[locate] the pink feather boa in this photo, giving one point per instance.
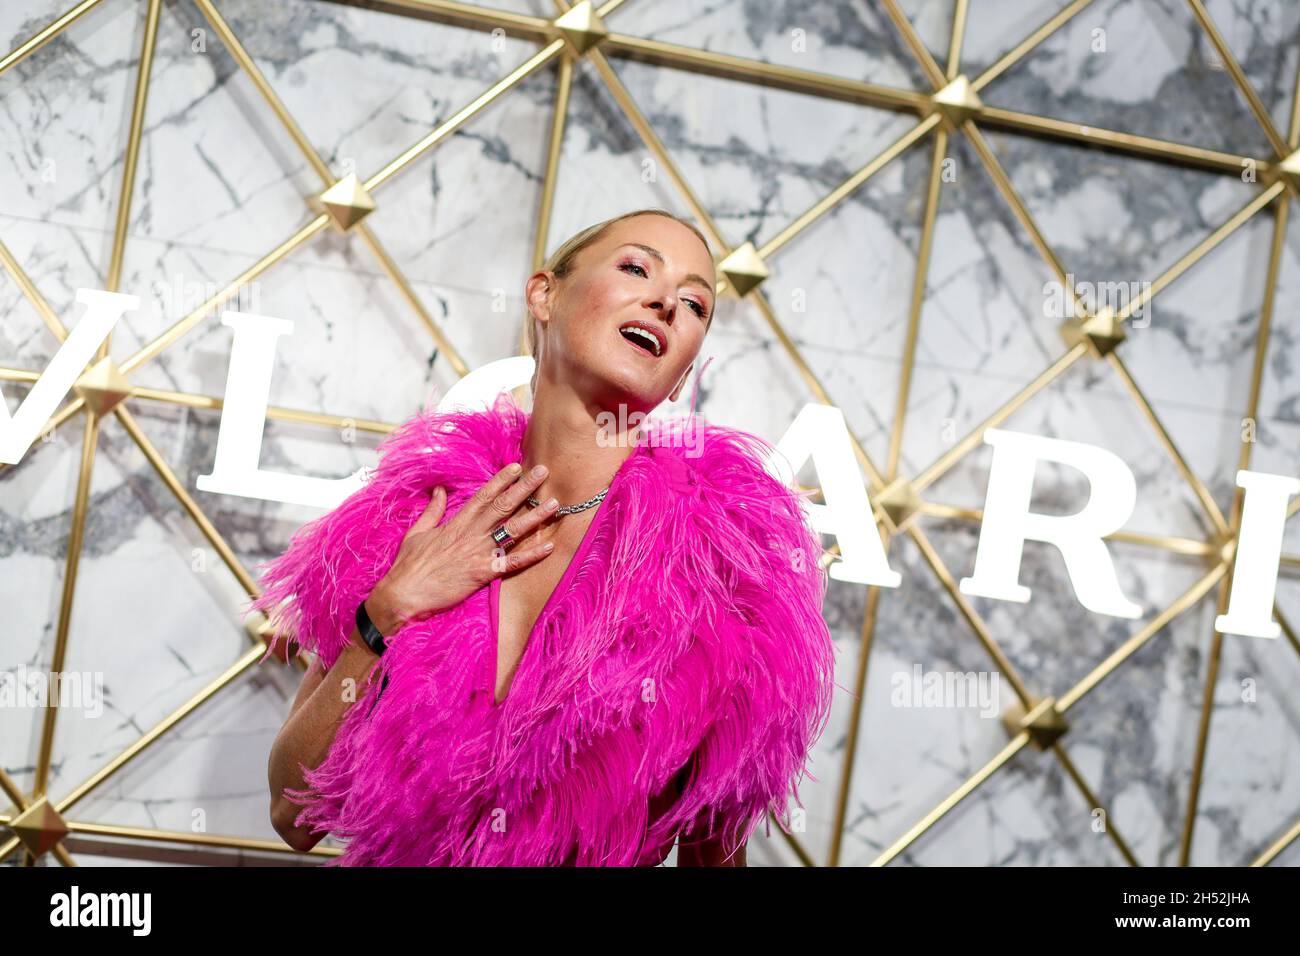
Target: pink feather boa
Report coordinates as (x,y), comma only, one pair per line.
(691,626)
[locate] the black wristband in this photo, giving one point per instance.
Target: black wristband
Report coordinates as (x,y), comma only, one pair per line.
(369,633)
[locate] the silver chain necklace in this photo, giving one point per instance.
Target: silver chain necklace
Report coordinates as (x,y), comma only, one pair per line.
(591,502)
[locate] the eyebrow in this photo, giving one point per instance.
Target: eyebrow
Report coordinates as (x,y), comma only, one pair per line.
(694,277)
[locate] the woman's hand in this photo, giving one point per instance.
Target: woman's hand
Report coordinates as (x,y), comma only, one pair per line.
(438,567)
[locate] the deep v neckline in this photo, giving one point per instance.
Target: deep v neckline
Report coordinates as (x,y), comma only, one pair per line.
(557,594)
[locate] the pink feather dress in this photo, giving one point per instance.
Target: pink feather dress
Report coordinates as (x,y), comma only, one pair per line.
(687,629)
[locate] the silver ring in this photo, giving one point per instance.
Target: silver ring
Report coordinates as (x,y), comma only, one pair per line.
(502,536)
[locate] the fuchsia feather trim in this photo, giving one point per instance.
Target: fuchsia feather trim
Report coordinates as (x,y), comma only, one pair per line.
(691,627)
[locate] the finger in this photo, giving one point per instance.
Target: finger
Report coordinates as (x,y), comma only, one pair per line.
(498,483)
(507,502)
(516,560)
(527,518)
(433,511)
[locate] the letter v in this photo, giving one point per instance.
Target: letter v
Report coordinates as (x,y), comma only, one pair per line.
(103,309)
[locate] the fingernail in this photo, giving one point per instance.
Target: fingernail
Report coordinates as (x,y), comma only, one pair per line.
(552,502)
(515,468)
(539,471)
(549,546)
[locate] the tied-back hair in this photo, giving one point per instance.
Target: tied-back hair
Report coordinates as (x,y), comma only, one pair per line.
(562,260)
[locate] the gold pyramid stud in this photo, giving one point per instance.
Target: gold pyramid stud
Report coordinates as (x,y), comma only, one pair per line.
(581,26)
(1289,171)
(347,202)
(1044,722)
(900,504)
(744,269)
(1103,332)
(102,386)
(39,828)
(957,102)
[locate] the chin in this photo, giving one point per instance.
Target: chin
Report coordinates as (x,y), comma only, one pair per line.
(622,384)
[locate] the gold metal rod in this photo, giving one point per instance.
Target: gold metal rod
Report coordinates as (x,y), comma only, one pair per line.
(132,155)
(277,412)
(317,163)
(850,185)
(1126,650)
(1000,759)
(914,42)
(72,562)
(1144,147)
(465,15)
(968,612)
(19,375)
(1264,332)
(554,148)
(1093,803)
(919,276)
(174,334)
(854,725)
(814,383)
(1284,841)
(248,659)
(955,39)
(770,75)
(187,502)
(486,98)
(33,295)
(1016,53)
(976,435)
(656,146)
(1186,600)
(45,35)
(1187,546)
(1203,726)
(1239,77)
(1189,259)
(444,345)
(1003,184)
(1208,504)
(792,843)
(197,839)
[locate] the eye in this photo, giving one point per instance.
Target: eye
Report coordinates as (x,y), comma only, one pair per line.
(626,266)
(697,308)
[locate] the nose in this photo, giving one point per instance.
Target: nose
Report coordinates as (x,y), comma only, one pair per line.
(665,304)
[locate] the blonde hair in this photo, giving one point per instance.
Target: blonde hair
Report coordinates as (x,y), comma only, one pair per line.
(562,260)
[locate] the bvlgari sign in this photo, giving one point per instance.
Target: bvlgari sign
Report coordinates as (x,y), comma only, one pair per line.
(818,433)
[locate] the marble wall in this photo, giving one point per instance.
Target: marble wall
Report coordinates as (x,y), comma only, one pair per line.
(220,184)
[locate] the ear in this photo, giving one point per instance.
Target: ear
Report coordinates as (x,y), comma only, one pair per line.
(537,292)
(678,390)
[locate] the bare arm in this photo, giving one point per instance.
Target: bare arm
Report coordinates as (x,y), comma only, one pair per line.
(438,565)
(322,701)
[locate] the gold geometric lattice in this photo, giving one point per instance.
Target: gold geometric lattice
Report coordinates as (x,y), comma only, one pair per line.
(951,105)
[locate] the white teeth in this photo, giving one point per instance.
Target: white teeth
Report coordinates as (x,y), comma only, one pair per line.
(654,342)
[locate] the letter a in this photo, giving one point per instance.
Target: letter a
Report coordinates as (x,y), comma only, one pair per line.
(819,431)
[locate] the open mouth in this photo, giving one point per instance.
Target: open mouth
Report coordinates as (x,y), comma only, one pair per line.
(645,338)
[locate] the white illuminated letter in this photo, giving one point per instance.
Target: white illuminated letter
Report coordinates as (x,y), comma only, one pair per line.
(1259,550)
(103,309)
(1008,523)
(819,431)
(481,386)
(243,421)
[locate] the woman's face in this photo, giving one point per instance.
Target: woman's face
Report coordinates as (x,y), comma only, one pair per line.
(648,272)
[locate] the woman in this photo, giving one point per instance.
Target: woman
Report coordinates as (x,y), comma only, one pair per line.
(597,635)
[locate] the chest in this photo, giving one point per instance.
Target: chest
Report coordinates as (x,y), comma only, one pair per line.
(524,595)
